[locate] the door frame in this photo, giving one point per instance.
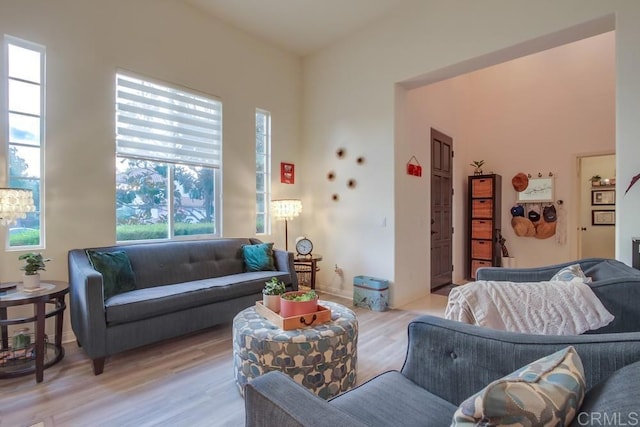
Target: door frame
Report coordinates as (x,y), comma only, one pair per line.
(577,210)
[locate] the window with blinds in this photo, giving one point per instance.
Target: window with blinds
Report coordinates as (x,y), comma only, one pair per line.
(168,161)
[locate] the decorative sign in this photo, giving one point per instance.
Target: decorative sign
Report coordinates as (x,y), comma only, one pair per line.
(413,167)
(287,173)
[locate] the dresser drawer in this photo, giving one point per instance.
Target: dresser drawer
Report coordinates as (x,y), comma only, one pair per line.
(482,187)
(482,208)
(476,264)
(482,249)
(481,229)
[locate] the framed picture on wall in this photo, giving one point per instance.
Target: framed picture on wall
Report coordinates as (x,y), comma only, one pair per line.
(287,173)
(538,190)
(603,197)
(603,217)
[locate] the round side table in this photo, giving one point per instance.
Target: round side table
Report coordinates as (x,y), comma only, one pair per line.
(51,292)
(321,358)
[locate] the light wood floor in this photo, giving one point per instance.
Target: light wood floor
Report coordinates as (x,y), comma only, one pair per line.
(182,382)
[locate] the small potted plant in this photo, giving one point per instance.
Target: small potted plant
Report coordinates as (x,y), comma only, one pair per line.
(271,294)
(33,262)
(477,164)
(595,180)
(296,303)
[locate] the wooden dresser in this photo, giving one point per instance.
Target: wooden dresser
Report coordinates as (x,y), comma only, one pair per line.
(485,222)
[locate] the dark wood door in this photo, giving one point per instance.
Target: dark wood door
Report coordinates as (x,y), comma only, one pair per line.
(441,209)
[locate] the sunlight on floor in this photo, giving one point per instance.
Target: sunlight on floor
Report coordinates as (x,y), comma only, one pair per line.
(431,304)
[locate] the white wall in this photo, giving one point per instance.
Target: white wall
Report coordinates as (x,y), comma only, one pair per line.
(86,42)
(349,98)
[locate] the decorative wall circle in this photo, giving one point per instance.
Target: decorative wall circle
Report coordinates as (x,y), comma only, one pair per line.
(351,183)
(335,197)
(360,160)
(331,176)
(341,152)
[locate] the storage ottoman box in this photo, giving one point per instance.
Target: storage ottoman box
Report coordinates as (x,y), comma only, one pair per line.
(371,293)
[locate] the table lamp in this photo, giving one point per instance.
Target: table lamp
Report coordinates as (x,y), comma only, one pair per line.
(15,203)
(286,209)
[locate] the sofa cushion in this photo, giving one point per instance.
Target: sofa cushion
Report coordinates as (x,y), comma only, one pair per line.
(392,399)
(543,392)
(149,302)
(613,401)
(258,257)
(115,267)
(570,273)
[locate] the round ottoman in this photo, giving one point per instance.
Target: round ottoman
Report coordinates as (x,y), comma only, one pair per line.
(321,358)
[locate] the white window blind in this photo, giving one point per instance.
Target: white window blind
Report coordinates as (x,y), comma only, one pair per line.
(166,124)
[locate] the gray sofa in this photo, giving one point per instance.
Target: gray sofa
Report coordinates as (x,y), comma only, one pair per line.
(447,362)
(181,287)
(616,285)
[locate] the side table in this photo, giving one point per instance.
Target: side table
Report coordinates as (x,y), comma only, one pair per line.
(306,267)
(52,292)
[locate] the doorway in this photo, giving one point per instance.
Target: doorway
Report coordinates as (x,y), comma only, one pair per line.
(597,207)
(441,209)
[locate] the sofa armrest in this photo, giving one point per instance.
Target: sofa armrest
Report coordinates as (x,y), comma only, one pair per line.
(284,262)
(534,274)
(87,309)
(274,399)
(455,360)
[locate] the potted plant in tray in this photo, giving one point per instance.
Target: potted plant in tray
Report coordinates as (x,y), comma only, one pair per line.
(271,294)
(296,303)
(33,263)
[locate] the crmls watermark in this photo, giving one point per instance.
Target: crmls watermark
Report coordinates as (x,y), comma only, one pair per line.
(608,419)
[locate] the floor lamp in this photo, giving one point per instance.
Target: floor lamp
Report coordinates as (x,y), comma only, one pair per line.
(286,209)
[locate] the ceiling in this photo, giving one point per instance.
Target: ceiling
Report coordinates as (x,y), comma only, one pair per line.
(298,26)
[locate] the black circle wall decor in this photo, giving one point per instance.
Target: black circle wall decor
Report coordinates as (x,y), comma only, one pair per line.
(331,176)
(341,152)
(360,160)
(335,197)
(351,183)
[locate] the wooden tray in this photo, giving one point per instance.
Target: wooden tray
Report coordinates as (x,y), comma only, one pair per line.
(294,322)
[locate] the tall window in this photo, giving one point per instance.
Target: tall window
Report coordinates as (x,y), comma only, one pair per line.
(25,87)
(263,170)
(169,155)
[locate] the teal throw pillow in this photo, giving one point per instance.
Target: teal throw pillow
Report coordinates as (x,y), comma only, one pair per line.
(570,273)
(547,392)
(115,267)
(258,257)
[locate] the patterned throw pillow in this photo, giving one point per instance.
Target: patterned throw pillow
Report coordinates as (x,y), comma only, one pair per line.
(547,392)
(570,273)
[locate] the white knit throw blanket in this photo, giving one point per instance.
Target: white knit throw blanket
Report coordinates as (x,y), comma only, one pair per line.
(549,308)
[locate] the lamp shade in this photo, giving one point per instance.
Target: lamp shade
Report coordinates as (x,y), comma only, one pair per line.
(286,209)
(15,203)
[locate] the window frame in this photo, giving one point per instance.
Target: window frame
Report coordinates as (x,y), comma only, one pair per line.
(267,173)
(41,50)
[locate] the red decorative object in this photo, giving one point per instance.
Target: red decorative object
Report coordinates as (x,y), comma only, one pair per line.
(287,173)
(633,181)
(289,308)
(413,167)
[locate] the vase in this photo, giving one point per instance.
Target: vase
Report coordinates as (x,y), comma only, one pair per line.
(272,302)
(31,281)
(290,308)
(477,171)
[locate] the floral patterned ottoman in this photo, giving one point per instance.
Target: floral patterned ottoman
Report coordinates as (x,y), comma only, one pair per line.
(322,358)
